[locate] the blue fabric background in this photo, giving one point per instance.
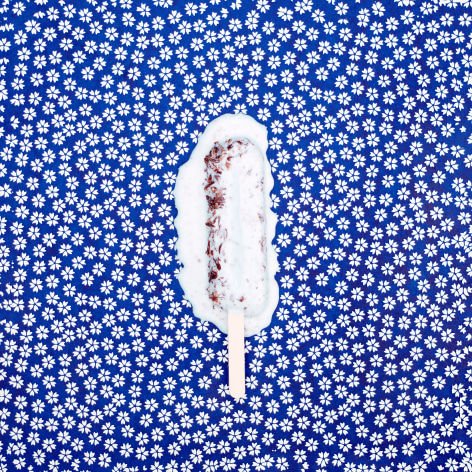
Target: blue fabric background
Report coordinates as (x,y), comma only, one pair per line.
(367,363)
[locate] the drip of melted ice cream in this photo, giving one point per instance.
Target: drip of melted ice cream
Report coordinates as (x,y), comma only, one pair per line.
(225,226)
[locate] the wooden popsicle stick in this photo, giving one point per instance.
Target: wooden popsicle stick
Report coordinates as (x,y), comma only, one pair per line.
(236,369)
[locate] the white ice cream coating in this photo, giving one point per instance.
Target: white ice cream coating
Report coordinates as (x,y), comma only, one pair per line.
(237,245)
(238,223)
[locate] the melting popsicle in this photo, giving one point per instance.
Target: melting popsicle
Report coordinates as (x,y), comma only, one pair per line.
(225,229)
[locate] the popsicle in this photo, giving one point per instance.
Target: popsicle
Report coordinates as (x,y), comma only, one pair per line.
(225,228)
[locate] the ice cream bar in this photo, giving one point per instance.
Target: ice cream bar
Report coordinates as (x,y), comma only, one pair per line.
(225,226)
(237,246)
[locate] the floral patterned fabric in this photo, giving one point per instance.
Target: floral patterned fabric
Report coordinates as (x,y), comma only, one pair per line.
(367,364)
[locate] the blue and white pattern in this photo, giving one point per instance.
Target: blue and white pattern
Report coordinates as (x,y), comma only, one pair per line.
(367,365)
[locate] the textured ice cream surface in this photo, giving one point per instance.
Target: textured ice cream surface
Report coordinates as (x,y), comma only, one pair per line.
(225,226)
(236,249)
